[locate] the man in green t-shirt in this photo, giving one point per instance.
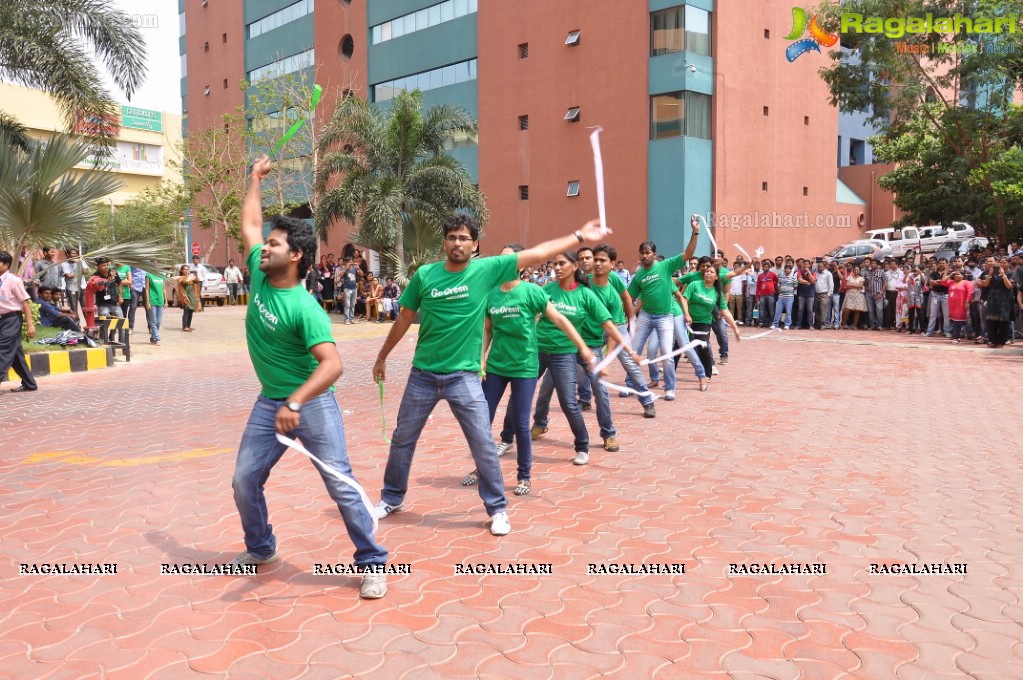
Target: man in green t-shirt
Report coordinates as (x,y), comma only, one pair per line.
(451,298)
(153,294)
(292,350)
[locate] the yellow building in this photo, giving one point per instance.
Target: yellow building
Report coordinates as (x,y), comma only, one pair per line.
(144,142)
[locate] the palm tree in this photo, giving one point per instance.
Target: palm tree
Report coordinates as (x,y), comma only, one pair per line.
(393,165)
(52,45)
(45,201)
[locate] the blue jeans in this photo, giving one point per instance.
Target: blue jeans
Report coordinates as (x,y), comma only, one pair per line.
(322,432)
(585,390)
(784,307)
(464,394)
(350,295)
(633,371)
(563,370)
(875,310)
(682,338)
(607,428)
(939,302)
(834,316)
(664,326)
(720,327)
(804,313)
(516,419)
(766,310)
(154,315)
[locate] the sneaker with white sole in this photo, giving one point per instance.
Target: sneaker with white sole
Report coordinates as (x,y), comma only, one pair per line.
(503,448)
(246,558)
(499,525)
(581,458)
(669,395)
(374,585)
(383,509)
(714,370)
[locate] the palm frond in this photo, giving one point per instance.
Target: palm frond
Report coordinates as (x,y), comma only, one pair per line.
(152,256)
(16,134)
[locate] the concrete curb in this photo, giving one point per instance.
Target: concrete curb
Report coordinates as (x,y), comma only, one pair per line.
(67,361)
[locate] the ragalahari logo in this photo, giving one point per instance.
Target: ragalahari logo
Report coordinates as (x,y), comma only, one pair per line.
(818,36)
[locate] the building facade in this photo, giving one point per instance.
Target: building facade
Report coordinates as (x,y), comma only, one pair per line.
(701,110)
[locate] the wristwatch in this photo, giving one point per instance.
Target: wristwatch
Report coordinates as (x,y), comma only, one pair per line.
(579,235)
(294,406)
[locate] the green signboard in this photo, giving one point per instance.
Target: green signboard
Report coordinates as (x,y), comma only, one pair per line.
(141,119)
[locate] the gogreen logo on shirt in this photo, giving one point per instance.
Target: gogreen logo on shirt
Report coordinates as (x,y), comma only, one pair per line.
(451,293)
(650,277)
(505,311)
(269,319)
(818,36)
(564,307)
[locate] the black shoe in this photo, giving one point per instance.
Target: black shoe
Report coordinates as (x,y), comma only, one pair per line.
(585,406)
(24,388)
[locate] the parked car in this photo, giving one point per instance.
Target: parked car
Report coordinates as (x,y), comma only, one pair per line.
(951,249)
(884,250)
(214,285)
(962,231)
(855,252)
(901,240)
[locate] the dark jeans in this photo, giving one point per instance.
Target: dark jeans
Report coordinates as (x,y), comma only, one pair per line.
(11,354)
(957,329)
(563,370)
(232,290)
(804,305)
(767,303)
(516,420)
(133,305)
(890,298)
(703,351)
(186,317)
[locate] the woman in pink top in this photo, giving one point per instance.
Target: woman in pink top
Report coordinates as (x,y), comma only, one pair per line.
(960,292)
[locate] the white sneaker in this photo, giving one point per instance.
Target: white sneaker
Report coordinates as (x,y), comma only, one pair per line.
(500,526)
(581,458)
(374,585)
(714,370)
(247,558)
(669,395)
(383,509)
(503,448)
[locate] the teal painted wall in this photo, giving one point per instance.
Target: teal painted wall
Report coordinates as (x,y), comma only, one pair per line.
(656,5)
(668,73)
(289,39)
(440,45)
(679,173)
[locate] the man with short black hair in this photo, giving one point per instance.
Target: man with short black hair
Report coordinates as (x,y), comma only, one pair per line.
(350,287)
(14,306)
(47,268)
(50,314)
(292,351)
(233,277)
(106,283)
(451,297)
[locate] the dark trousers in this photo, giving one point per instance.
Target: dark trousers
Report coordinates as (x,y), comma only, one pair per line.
(890,298)
(66,324)
(186,317)
(11,354)
(703,351)
(516,419)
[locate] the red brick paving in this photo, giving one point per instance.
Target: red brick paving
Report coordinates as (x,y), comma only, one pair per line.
(835,447)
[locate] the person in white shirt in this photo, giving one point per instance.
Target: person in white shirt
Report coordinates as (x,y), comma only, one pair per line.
(234,278)
(893,277)
(823,287)
(736,293)
(750,292)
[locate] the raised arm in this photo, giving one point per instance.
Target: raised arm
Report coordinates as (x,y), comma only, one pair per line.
(252,209)
(694,222)
(589,232)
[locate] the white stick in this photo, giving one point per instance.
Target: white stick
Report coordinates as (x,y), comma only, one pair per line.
(623,388)
(685,348)
(344,478)
(713,243)
(758,335)
(740,249)
(608,359)
(598,167)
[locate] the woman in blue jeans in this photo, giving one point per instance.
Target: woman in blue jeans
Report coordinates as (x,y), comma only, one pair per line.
(570,295)
(510,358)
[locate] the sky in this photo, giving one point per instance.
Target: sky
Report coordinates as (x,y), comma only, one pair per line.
(158,22)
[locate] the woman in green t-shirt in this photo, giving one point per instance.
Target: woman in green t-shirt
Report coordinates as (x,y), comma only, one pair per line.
(698,302)
(510,358)
(571,295)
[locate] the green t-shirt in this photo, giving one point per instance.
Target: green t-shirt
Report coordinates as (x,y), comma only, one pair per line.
(654,284)
(125,273)
(686,279)
(281,325)
(701,301)
(451,307)
(156,298)
(580,307)
(611,296)
(513,329)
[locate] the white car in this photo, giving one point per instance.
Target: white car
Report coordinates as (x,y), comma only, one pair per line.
(884,249)
(214,285)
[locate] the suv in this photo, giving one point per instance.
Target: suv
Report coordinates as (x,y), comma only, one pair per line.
(214,285)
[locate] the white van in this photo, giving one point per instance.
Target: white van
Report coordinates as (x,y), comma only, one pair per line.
(900,240)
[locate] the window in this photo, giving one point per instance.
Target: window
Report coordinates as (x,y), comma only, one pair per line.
(675,114)
(573,38)
(763,186)
(766,111)
(806,191)
(279,18)
(223,37)
(347,47)
(523,192)
(428,80)
(767,33)
(206,91)
(573,188)
(225,83)
(206,47)
(421,19)
(184,65)
(523,122)
(806,120)
(572,115)
(680,28)
(523,50)
(276,69)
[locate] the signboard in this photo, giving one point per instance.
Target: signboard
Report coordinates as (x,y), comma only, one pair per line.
(196,249)
(95,126)
(145,159)
(141,119)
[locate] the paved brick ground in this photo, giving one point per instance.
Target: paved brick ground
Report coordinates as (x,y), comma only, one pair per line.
(834,447)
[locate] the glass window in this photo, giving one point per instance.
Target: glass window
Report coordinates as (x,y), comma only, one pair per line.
(397,28)
(697,26)
(666,114)
(697,113)
(434,15)
(447,10)
(377,34)
(184,66)
(472,69)
(461,8)
(667,31)
(573,188)
(436,79)
(461,72)
(385,31)
(450,75)
(410,23)
(181,24)
(421,20)
(472,6)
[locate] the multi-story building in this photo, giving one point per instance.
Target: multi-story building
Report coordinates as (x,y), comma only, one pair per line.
(144,140)
(701,110)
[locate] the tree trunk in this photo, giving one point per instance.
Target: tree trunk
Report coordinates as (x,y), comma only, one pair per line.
(399,242)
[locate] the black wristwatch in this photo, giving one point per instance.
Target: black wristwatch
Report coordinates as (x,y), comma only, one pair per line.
(293,406)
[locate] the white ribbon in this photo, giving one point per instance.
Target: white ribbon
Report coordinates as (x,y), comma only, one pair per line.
(684,348)
(759,252)
(740,249)
(344,478)
(713,243)
(598,168)
(759,335)
(623,388)
(608,359)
